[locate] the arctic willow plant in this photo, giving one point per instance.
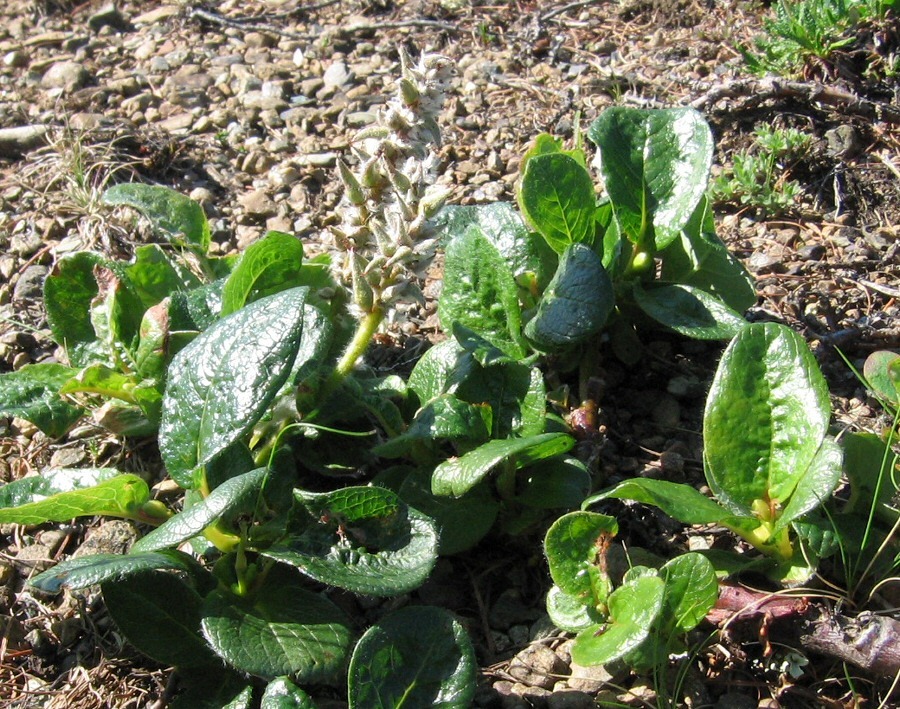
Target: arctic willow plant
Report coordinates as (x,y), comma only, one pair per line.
(388,200)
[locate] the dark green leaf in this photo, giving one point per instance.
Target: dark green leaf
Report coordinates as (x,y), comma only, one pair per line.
(281,693)
(867,463)
(155,277)
(85,571)
(440,370)
(213,688)
(766,417)
(576,304)
(160,615)
(480,293)
(32,393)
(268,266)
(283,629)
(570,613)
(457,476)
(655,165)
(575,546)
(169,211)
(221,384)
(119,496)
(236,493)
(558,482)
(415,657)
(557,196)
(689,311)
(677,500)
(515,394)
(68,294)
(815,486)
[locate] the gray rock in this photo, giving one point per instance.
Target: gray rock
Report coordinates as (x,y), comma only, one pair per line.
(15,142)
(570,699)
(537,666)
(30,284)
(589,679)
(109,16)
(258,204)
(66,75)
(336,76)
(112,537)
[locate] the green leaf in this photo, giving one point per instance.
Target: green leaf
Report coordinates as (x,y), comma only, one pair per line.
(515,394)
(677,500)
(692,589)
(68,293)
(457,476)
(633,610)
(213,688)
(445,417)
(171,212)
(36,488)
(557,197)
(221,384)
(440,370)
(689,311)
(281,693)
(103,381)
(155,277)
(416,657)
(32,393)
(868,464)
(570,613)
(268,266)
(576,304)
(363,539)
(699,258)
(160,615)
(236,493)
(815,486)
(527,254)
(766,417)
(882,374)
(554,483)
(480,293)
(655,166)
(84,571)
(283,629)
(120,496)
(153,351)
(575,546)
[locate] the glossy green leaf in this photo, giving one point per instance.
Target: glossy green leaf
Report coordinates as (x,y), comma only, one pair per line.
(445,417)
(692,589)
(479,292)
(169,211)
(35,488)
(283,629)
(268,266)
(153,351)
(154,276)
(527,254)
(699,258)
(515,394)
(557,197)
(416,657)
(558,482)
(655,166)
(213,688)
(160,615)
(103,381)
(576,304)
(83,571)
(766,417)
(440,370)
(68,293)
(457,476)
(281,693)
(235,493)
(119,496)
(868,464)
(575,546)
(222,383)
(481,349)
(677,500)
(882,374)
(633,609)
(689,311)
(814,488)
(570,613)
(32,393)
(363,539)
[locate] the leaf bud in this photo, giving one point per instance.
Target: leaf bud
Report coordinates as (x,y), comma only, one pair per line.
(354,190)
(362,291)
(409,92)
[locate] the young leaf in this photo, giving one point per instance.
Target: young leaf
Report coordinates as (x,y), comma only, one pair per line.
(881,371)
(691,591)
(281,693)
(655,165)
(457,476)
(282,629)
(160,615)
(766,417)
(575,546)
(155,277)
(83,571)
(515,394)
(689,311)
(440,370)
(868,464)
(445,417)
(167,209)
(363,539)
(68,293)
(570,613)
(416,657)
(576,304)
(120,496)
(32,393)
(557,197)
(559,482)
(633,609)
(233,494)
(221,384)
(815,486)
(268,266)
(35,488)
(480,293)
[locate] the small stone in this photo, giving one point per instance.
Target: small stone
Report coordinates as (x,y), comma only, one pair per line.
(589,679)
(16,141)
(537,666)
(761,262)
(179,123)
(67,75)
(667,412)
(570,699)
(671,463)
(25,245)
(258,204)
(68,457)
(811,252)
(112,537)
(164,12)
(202,195)
(16,59)
(684,387)
(109,16)
(260,40)
(335,76)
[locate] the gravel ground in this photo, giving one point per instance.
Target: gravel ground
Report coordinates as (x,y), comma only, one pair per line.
(247,106)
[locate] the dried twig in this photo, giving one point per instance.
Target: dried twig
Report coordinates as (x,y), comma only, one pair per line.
(565,8)
(245,24)
(396,25)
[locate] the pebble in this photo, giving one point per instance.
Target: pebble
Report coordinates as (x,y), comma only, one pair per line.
(18,140)
(537,666)
(30,284)
(66,75)
(258,204)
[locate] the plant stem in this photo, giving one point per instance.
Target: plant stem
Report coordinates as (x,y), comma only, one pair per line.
(365,331)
